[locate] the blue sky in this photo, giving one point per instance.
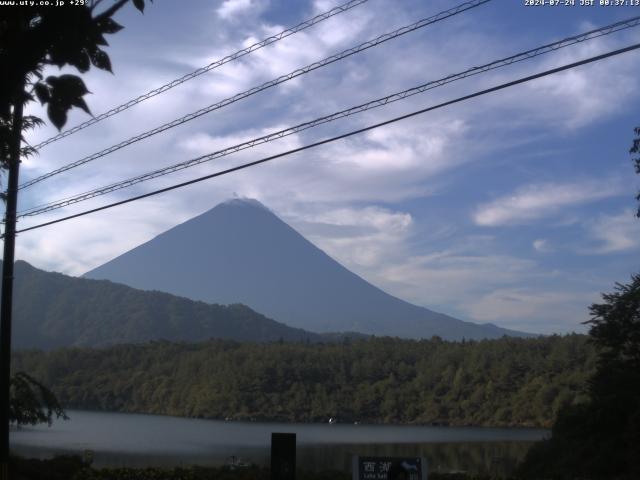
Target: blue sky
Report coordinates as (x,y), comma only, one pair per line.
(516,208)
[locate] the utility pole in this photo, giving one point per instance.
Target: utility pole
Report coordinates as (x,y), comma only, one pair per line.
(6,300)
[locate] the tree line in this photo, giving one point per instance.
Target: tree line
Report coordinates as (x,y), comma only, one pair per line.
(504,382)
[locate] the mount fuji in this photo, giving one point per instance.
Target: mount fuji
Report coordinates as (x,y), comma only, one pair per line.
(241,252)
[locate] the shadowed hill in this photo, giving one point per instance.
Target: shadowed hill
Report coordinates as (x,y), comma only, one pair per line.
(53,310)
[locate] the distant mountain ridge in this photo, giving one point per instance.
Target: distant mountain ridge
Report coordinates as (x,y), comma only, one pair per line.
(53,310)
(241,252)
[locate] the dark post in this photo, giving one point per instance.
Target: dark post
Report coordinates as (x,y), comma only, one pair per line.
(7,283)
(283,456)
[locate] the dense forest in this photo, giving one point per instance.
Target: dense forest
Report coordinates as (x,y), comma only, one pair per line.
(505,382)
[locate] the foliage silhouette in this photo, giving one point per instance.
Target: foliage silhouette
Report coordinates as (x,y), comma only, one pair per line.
(35,37)
(32,403)
(599,438)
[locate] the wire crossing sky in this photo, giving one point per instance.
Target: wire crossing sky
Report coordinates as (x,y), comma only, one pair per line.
(272,83)
(516,208)
(526,55)
(207,68)
(343,136)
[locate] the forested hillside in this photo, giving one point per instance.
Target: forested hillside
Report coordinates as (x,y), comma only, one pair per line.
(54,310)
(505,382)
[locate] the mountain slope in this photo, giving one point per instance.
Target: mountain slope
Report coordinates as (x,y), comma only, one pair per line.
(53,310)
(240,252)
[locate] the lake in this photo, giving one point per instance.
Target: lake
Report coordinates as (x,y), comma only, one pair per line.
(120,439)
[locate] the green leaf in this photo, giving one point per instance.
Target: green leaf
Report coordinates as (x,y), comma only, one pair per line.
(101,60)
(57,114)
(30,122)
(71,85)
(66,88)
(100,40)
(81,61)
(42,92)
(80,103)
(109,25)
(53,81)
(65,92)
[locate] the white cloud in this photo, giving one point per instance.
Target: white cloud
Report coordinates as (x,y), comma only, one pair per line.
(614,233)
(536,309)
(584,95)
(374,243)
(362,237)
(231,8)
(75,247)
(342,29)
(542,245)
(535,201)
(203,143)
(451,277)
(570,100)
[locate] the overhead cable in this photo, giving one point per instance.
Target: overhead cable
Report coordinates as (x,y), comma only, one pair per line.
(340,137)
(218,63)
(529,54)
(272,83)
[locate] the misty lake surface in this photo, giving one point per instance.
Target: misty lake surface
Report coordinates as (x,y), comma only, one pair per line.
(119,439)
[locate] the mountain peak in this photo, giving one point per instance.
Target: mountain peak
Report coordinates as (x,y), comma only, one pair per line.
(234,253)
(242,202)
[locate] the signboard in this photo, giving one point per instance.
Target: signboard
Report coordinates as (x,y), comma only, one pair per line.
(283,456)
(389,468)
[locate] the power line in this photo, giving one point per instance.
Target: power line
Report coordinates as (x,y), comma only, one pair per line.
(340,137)
(271,83)
(218,63)
(39,209)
